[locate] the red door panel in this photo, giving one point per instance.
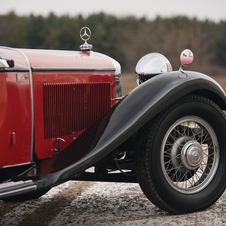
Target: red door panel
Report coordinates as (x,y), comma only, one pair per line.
(15,119)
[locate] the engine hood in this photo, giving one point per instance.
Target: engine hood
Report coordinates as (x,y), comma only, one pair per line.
(58,59)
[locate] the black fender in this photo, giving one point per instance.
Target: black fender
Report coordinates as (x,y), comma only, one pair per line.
(127,117)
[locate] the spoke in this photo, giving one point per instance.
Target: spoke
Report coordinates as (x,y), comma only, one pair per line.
(168,151)
(197,175)
(167,168)
(203,173)
(176,157)
(179,133)
(185,128)
(206,138)
(169,171)
(201,168)
(193,133)
(175,142)
(191,180)
(184,176)
(199,137)
(211,145)
(202,134)
(188,124)
(189,129)
(209,168)
(169,143)
(206,164)
(173,176)
(206,157)
(189,183)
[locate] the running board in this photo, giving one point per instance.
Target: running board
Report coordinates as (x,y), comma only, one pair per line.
(16,188)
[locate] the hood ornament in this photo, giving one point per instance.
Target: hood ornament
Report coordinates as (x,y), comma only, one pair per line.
(85,34)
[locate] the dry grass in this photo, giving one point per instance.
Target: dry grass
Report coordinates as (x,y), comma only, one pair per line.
(129,82)
(222,81)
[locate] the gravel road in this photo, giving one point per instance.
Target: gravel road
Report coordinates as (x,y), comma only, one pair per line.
(101,203)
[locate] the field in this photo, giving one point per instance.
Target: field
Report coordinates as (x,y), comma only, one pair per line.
(222,81)
(129,82)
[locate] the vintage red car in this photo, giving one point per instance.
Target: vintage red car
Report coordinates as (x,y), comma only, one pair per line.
(62,112)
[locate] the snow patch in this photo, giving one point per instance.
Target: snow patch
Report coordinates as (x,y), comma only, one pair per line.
(56,190)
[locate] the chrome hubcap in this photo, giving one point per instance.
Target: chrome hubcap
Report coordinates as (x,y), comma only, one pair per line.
(192,155)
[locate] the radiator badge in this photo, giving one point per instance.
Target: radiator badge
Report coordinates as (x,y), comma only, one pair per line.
(20,77)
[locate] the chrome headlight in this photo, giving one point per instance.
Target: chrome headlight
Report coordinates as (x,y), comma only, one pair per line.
(151,65)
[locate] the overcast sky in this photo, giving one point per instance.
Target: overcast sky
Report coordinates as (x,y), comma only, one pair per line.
(202,9)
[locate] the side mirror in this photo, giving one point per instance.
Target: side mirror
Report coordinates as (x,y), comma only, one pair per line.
(186,57)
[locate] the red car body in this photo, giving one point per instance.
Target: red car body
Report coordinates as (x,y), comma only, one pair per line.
(62,112)
(62,82)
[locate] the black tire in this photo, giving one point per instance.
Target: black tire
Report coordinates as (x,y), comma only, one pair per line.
(180,160)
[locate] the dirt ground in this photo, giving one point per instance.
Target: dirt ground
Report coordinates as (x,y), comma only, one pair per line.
(101,203)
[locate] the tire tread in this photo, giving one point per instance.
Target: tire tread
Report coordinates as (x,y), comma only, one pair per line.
(141,148)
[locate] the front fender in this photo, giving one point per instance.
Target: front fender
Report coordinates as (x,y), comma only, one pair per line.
(136,109)
(150,98)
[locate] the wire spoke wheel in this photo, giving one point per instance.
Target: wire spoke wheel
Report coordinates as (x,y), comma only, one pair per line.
(189,154)
(180,160)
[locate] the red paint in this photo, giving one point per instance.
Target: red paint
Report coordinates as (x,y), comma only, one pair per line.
(186,60)
(59,59)
(15,101)
(45,147)
(15,119)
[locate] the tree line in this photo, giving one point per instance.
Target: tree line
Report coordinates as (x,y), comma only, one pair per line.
(126,39)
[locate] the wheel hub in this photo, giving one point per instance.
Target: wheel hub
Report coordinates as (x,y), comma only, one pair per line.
(188,165)
(176,152)
(191,155)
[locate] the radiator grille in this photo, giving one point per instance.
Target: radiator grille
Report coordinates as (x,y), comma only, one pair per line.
(70,108)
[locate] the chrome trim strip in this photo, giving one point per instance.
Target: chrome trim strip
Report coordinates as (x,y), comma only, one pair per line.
(71,69)
(3,63)
(21,164)
(117,72)
(16,188)
(18,191)
(118,98)
(32,96)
